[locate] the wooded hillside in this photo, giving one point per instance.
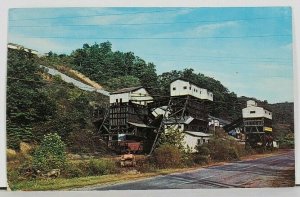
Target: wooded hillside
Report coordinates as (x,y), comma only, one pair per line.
(38,104)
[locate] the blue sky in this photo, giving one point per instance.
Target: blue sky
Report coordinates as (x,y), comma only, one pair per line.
(248,49)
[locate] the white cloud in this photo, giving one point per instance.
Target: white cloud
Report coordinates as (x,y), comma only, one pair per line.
(210,28)
(42,45)
(167,16)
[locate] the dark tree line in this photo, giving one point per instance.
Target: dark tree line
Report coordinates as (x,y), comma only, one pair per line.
(114,70)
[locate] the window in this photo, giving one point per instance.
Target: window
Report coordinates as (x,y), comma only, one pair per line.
(184,87)
(117,100)
(198,141)
(179,127)
(174,88)
(190,88)
(194,90)
(252,112)
(200,92)
(203,140)
(120,100)
(269,113)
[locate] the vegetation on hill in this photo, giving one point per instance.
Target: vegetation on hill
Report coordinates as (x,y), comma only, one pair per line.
(38,104)
(27,104)
(48,104)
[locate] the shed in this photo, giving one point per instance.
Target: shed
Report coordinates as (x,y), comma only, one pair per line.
(138,95)
(192,139)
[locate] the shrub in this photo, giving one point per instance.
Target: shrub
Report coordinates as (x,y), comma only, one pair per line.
(233,153)
(201,159)
(25,148)
(50,154)
(167,156)
(223,149)
(203,155)
(11,154)
(74,170)
(173,137)
(146,167)
(187,157)
(203,150)
(101,167)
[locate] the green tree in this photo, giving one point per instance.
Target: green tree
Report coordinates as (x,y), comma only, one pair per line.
(173,137)
(123,82)
(106,67)
(50,154)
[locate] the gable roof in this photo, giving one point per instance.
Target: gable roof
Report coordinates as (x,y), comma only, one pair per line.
(185,120)
(219,119)
(198,134)
(126,90)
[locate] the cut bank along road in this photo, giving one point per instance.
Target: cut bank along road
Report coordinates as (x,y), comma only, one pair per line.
(252,173)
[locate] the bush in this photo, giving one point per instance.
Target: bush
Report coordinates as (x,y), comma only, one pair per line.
(146,167)
(50,154)
(203,155)
(167,156)
(25,148)
(201,159)
(101,167)
(233,153)
(173,137)
(74,170)
(203,150)
(223,149)
(11,154)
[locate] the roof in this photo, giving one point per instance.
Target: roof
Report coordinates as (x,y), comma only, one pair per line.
(219,119)
(264,107)
(198,134)
(125,90)
(184,120)
(140,125)
(191,82)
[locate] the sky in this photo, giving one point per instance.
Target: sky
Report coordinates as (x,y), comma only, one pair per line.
(249,50)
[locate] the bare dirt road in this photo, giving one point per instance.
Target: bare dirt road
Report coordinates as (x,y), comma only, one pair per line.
(271,171)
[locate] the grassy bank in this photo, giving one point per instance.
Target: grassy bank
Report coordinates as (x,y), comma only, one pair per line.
(79,182)
(66,184)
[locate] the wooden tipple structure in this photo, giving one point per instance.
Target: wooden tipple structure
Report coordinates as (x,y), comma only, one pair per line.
(126,123)
(257,125)
(186,109)
(135,120)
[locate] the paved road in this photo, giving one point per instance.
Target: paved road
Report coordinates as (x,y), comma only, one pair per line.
(252,173)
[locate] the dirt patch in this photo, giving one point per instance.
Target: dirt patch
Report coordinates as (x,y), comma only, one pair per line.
(285,179)
(263,155)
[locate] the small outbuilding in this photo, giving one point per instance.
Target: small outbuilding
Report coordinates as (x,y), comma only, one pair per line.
(138,95)
(192,139)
